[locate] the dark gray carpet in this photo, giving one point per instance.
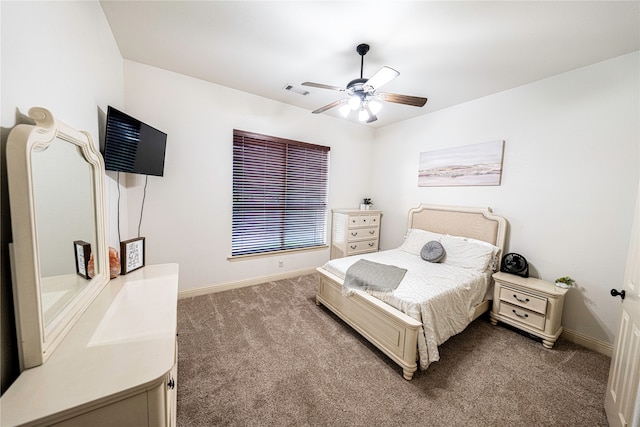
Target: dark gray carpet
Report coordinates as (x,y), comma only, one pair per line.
(266,355)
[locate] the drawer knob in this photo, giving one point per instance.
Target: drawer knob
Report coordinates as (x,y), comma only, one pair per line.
(372,232)
(370,244)
(524,316)
(354,233)
(526,300)
(353,246)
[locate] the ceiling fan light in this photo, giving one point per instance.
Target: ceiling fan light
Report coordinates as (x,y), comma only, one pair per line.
(345,110)
(354,102)
(375,107)
(363,115)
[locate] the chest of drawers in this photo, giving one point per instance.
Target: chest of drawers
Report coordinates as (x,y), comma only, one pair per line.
(529,304)
(354,232)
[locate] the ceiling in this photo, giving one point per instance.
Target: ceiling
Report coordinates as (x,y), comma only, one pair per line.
(449,52)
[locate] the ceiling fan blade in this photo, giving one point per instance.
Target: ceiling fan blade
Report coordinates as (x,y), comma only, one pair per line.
(329,106)
(414,101)
(382,77)
(321,86)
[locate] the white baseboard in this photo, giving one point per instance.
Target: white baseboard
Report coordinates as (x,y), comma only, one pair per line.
(588,342)
(243,283)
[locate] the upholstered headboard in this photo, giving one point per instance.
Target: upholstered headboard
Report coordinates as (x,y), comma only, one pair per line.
(477,223)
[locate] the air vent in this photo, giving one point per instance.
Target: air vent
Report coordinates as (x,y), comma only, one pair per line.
(297,90)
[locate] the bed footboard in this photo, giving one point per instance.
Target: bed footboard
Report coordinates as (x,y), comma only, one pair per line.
(390,330)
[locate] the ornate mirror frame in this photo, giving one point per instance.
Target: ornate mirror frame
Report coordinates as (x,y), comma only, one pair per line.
(36,339)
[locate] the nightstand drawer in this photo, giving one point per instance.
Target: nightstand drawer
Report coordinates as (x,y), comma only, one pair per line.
(524,299)
(362,233)
(362,246)
(522,315)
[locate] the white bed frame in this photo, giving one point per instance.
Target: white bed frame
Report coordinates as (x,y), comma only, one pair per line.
(390,330)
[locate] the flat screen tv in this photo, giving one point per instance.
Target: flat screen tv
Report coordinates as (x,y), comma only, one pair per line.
(133,146)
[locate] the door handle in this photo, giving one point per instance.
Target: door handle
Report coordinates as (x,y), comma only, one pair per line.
(615,293)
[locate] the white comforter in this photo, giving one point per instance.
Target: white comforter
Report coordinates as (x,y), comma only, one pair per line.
(442,297)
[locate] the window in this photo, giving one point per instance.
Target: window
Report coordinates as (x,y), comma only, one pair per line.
(279,194)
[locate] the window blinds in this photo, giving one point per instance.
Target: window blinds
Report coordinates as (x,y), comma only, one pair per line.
(279,194)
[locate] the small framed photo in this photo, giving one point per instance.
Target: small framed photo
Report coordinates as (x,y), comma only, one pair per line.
(82,251)
(131,255)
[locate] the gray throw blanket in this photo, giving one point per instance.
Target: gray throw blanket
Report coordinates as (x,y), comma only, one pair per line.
(373,276)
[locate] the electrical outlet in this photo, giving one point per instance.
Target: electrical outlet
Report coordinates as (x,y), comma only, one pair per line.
(280,263)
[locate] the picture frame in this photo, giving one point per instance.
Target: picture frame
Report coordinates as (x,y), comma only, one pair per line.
(469,165)
(132,255)
(82,253)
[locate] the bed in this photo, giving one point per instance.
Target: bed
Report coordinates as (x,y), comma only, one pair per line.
(408,327)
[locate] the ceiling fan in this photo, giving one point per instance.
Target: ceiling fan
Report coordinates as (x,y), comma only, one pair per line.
(362,94)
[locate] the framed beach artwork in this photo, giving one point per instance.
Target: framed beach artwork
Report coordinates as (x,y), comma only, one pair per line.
(477,164)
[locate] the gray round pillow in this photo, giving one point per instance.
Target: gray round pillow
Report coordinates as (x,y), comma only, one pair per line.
(432,251)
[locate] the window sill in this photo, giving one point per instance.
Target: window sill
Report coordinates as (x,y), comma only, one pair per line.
(275,253)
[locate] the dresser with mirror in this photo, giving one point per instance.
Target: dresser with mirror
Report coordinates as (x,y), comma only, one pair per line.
(92,350)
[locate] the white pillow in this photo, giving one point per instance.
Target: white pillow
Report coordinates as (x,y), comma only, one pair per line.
(416,239)
(469,253)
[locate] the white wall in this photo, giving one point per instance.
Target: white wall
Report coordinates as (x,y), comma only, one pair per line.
(569,179)
(187,212)
(61,56)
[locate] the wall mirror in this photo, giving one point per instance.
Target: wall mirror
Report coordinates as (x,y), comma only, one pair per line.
(59,250)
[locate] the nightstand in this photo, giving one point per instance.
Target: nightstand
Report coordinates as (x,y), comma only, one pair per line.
(529,304)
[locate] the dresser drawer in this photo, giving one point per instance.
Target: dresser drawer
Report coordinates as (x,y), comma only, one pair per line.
(362,246)
(358,220)
(364,220)
(524,299)
(522,315)
(362,233)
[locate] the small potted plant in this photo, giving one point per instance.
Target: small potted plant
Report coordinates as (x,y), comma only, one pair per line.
(565,282)
(366,204)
